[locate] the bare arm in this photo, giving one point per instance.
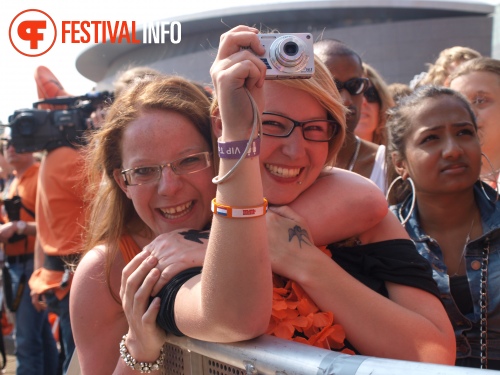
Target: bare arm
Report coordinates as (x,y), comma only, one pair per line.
(233,300)
(99,322)
(339,205)
(411,324)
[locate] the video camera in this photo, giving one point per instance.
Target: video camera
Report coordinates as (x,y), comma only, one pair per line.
(40,129)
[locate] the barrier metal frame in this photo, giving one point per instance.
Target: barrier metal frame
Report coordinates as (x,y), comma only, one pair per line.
(268,355)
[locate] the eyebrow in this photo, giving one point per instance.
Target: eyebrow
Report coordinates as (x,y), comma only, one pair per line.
(456,125)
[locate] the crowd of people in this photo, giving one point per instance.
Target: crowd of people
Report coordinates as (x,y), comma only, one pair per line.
(372,229)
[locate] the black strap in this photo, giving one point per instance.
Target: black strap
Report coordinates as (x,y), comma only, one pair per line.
(31,213)
(166,317)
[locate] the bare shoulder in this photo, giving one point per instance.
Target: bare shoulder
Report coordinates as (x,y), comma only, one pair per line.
(90,282)
(346,179)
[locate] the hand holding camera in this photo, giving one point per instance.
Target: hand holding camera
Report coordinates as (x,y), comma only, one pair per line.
(245,60)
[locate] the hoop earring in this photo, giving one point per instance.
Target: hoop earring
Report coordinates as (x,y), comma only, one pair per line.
(482,182)
(413,198)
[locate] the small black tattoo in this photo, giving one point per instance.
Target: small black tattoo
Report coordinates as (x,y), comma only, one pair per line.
(195,235)
(301,234)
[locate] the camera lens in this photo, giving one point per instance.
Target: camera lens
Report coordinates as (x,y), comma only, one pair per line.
(291,48)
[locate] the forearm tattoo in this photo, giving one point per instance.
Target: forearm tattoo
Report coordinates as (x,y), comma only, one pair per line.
(301,234)
(195,235)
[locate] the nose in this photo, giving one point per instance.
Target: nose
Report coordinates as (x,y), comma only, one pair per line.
(170,183)
(346,97)
(452,148)
(295,144)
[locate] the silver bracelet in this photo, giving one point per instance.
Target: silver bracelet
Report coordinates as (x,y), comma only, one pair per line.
(143,367)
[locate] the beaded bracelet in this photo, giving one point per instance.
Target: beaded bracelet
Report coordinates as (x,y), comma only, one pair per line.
(143,367)
(239,212)
(234,150)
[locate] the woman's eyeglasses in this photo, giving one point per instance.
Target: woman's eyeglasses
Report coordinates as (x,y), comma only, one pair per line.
(276,125)
(371,95)
(152,173)
(354,86)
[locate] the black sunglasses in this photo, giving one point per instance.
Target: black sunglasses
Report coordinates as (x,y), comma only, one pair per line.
(354,86)
(6,143)
(371,95)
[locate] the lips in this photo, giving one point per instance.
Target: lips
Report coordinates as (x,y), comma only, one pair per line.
(175,212)
(282,171)
(455,167)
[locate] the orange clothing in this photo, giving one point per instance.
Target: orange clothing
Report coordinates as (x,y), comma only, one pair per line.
(60,214)
(26,188)
(128,248)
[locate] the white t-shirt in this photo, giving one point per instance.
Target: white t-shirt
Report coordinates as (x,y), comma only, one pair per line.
(379,171)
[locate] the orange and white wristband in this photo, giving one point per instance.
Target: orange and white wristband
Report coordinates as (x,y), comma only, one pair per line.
(239,212)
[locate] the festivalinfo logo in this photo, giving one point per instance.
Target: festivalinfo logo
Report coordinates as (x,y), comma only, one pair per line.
(33,32)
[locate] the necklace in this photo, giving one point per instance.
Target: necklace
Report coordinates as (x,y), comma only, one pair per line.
(354,157)
(483,303)
(467,239)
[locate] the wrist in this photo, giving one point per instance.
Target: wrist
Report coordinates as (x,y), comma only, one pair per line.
(20,226)
(141,366)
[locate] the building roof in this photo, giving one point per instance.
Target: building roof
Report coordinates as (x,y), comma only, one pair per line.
(312,16)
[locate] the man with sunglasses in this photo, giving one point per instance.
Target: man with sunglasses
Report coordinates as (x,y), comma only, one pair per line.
(345,64)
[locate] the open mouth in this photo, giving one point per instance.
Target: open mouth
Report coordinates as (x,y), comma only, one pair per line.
(282,172)
(177,211)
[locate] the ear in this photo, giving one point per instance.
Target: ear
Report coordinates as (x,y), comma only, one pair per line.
(400,165)
(216,123)
(117,175)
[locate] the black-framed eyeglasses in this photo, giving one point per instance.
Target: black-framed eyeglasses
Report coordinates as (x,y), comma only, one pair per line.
(152,173)
(354,86)
(320,130)
(371,95)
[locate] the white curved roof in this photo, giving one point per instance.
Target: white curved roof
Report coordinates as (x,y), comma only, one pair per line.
(94,62)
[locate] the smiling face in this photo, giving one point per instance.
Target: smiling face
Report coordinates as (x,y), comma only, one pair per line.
(290,165)
(442,149)
(175,201)
(483,91)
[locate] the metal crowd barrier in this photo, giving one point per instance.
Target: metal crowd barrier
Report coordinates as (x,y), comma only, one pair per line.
(268,355)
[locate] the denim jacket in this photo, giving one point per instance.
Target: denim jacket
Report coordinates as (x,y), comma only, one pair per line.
(467,329)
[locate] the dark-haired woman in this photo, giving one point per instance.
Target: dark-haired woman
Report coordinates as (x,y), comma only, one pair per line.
(450,214)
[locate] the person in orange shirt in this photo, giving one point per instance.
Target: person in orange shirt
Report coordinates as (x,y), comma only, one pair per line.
(36,351)
(60,221)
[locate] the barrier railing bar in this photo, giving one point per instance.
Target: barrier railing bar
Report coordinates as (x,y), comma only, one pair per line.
(269,355)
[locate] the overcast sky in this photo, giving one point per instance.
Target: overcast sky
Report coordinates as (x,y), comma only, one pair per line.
(16,70)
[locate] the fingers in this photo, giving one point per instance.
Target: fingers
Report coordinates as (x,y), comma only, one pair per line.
(238,37)
(133,281)
(131,267)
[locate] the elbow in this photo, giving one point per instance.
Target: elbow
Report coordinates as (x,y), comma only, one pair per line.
(243,329)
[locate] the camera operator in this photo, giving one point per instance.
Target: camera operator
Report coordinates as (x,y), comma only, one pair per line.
(60,208)
(36,350)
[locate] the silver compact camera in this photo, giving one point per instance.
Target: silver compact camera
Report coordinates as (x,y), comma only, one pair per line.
(288,56)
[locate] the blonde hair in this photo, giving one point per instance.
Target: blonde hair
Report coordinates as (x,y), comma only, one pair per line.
(438,72)
(111,213)
(480,64)
(386,102)
(322,87)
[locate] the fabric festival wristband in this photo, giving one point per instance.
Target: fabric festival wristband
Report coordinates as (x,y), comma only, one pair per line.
(233,150)
(239,212)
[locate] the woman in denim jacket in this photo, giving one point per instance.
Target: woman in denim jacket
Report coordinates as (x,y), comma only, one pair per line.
(452,217)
